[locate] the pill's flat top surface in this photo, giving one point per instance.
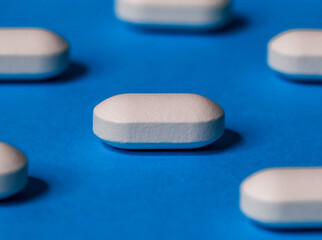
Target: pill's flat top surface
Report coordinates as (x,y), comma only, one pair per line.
(185,3)
(299,42)
(11,159)
(162,108)
(80,188)
(30,41)
(285,185)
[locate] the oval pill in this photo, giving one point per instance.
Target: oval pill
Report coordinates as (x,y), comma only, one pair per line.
(175,13)
(158,121)
(297,54)
(283,197)
(32,53)
(13,170)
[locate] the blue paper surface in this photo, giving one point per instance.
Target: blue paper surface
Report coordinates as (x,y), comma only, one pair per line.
(80,188)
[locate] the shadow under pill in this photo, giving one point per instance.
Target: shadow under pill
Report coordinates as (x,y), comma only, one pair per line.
(297,231)
(302,81)
(75,71)
(229,140)
(34,189)
(238,22)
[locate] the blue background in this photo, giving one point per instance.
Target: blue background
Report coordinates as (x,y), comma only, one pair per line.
(80,188)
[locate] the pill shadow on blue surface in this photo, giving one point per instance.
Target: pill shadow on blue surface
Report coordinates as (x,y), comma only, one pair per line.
(302,81)
(229,140)
(239,22)
(34,189)
(75,71)
(289,231)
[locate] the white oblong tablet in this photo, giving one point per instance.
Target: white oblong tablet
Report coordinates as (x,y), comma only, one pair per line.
(175,13)
(284,197)
(32,53)
(297,54)
(13,170)
(158,121)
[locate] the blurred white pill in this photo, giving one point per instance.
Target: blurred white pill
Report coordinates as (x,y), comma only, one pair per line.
(284,197)
(31,53)
(158,121)
(13,170)
(297,54)
(175,13)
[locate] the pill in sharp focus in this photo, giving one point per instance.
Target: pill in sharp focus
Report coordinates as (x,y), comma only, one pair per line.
(283,197)
(31,54)
(13,170)
(175,13)
(158,121)
(297,54)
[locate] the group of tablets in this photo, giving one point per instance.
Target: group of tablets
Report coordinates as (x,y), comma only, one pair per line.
(287,197)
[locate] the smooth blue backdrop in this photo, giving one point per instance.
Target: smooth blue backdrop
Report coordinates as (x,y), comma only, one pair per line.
(82,189)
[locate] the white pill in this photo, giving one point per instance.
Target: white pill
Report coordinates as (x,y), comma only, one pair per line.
(175,13)
(297,54)
(13,170)
(158,121)
(31,53)
(284,197)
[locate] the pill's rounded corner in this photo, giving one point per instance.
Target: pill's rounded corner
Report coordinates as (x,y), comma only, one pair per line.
(219,112)
(285,66)
(244,193)
(13,170)
(245,213)
(274,40)
(259,172)
(18,159)
(252,207)
(282,34)
(291,49)
(45,55)
(52,43)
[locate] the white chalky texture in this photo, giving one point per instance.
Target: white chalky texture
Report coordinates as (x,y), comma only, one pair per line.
(140,121)
(297,53)
(190,13)
(31,53)
(13,170)
(284,197)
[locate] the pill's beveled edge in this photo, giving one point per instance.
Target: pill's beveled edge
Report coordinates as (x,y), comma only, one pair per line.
(12,178)
(152,17)
(280,215)
(47,63)
(159,135)
(294,66)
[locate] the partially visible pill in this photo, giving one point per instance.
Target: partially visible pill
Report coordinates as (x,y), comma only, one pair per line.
(13,170)
(297,54)
(158,121)
(283,197)
(175,13)
(32,53)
